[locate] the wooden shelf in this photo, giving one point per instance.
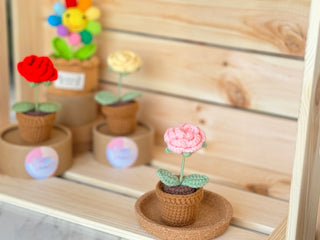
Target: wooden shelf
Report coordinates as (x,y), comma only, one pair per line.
(103,198)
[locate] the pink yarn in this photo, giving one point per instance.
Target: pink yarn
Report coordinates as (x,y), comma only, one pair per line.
(184,138)
(74,38)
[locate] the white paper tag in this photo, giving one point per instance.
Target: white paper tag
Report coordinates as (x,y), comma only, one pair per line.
(70,80)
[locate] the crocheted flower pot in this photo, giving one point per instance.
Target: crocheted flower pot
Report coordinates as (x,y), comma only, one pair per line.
(178,210)
(75,77)
(121,119)
(35,129)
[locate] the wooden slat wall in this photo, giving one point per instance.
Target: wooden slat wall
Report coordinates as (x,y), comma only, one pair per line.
(4,67)
(305,190)
(183,80)
(27,39)
(245,80)
(262,25)
(255,139)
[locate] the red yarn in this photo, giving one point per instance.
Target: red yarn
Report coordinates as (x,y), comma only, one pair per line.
(71,3)
(37,69)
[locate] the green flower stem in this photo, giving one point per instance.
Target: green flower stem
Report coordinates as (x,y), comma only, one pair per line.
(182,168)
(37,97)
(119,85)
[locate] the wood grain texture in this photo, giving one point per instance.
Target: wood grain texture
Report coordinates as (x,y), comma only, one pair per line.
(219,170)
(4,66)
(27,40)
(244,80)
(318,224)
(94,208)
(251,211)
(234,135)
(305,187)
(268,25)
(280,232)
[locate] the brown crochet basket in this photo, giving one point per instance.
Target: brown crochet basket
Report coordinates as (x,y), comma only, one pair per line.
(121,120)
(35,129)
(179,210)
(214,218)
(90,69)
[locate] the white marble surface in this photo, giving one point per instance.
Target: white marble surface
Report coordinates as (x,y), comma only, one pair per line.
(21,224)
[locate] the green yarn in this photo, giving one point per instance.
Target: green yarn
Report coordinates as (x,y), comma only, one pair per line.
(168,178)
(86,37)
(195,181)
(23,106)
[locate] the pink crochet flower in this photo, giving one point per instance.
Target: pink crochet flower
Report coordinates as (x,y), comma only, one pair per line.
(185,138)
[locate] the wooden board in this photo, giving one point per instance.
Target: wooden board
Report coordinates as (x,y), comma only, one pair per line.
(245,80)
(251,211)
(305,188)
(4,66)
(27,40)
(249,138)
(219,170)
(271,26)
(106,211)
(280,232)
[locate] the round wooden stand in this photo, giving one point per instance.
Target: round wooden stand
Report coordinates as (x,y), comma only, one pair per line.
(76,110)
(215,215)
(82,138)
(123,151)
(15,154)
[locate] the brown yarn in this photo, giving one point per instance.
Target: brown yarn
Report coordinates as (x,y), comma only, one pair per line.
(121,120)
(179,210)
(214,218)
(35,129)
(89,67)
(178,190)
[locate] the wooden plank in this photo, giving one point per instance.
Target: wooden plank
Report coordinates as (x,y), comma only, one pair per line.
(318,224)
(245,80)
(27,40)
(280,232)
(258,180)
(106,212)
(251,211)
(234,135)
(305,187)
(268,25)
(4,66)
(94,208)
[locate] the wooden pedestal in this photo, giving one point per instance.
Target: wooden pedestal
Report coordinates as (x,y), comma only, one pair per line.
(17,155)
(76,110)
(123,151)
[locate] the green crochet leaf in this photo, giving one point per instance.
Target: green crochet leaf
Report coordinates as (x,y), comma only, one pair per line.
(32,84)
(49,107)
(47,83)
(168,150)
(195,180)
(204,145)
(186,154)
(106,98)
(85,52)
(61,48)
(168,178)
(23,106)
(130,95)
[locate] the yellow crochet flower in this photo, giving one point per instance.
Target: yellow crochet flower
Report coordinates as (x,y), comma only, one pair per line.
(124,62)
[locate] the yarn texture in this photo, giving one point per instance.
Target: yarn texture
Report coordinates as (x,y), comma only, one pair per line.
(185,138)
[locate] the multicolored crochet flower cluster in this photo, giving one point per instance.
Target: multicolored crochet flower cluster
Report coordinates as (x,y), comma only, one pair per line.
(76,21)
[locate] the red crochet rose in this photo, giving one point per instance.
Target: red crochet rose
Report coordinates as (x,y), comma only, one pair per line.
(37,69)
